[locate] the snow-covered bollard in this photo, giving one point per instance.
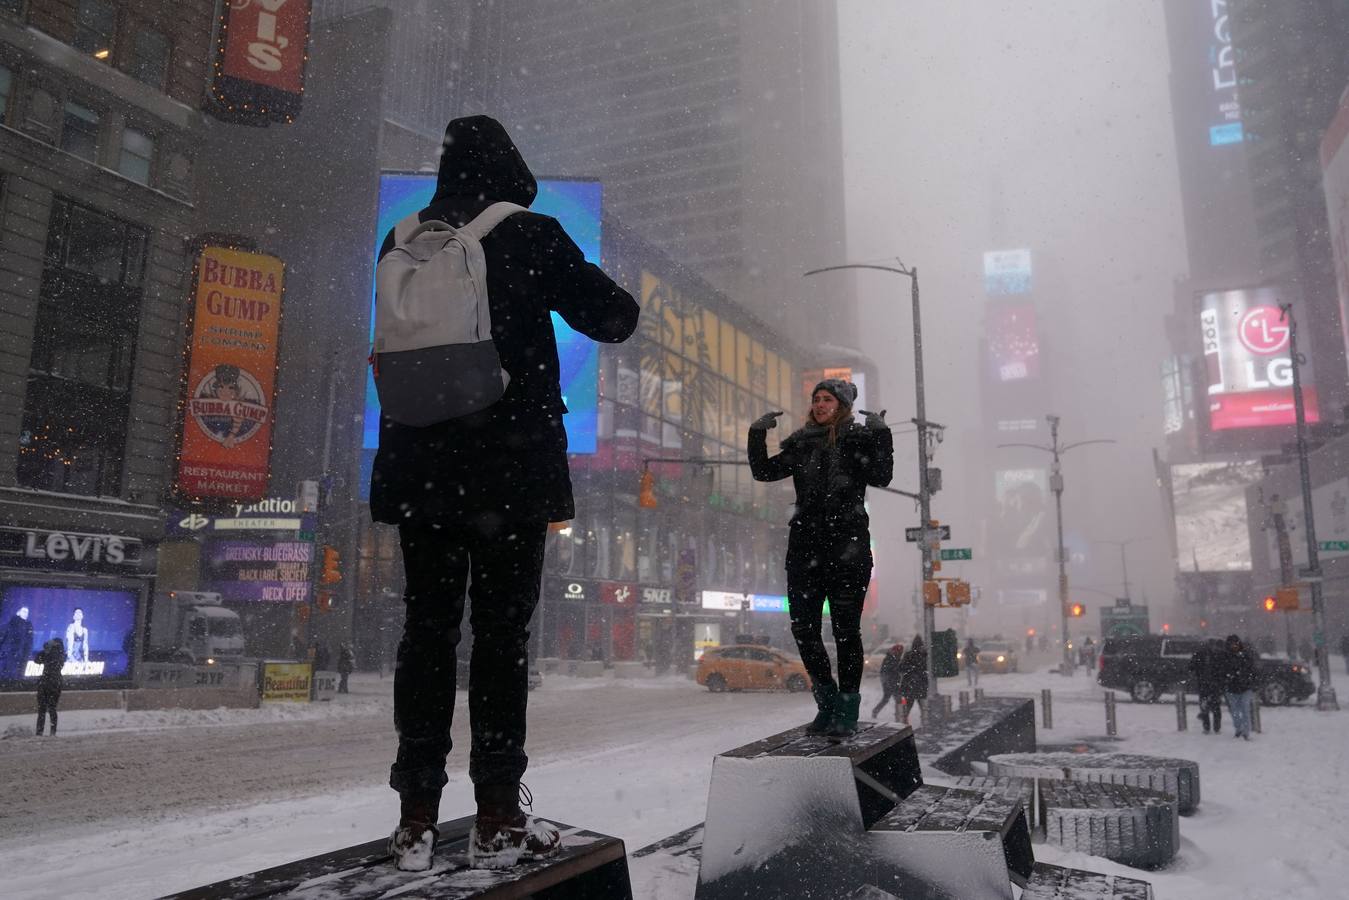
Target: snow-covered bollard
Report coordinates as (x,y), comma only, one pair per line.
(1047,708)
(1182,713)
(1111,727)
(964,699)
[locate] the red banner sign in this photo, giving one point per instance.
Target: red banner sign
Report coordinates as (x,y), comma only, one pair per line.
(260,69)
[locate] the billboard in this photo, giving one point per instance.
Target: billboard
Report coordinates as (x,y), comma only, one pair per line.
(268,571)
(231,378)
(1022,534)
(1013,344)
(578,206)
(286,682)
(1335,184)
(1248,362)
(1007,272)
(1330,508)
(1209,502)
(260,61)
(1225,109)
(97,626)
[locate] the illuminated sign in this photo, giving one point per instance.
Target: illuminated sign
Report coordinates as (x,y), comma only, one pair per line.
(231,379)
(286,682)
(725,601)
(38,548)
(1335,183)
(1223,72)
(578,206)
(1209,501)
(96,628)
(1013,345)
(257,571)
(1007,272)
(260,61)
(1246,356)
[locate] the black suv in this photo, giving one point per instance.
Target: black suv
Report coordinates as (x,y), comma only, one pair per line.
(1150,665)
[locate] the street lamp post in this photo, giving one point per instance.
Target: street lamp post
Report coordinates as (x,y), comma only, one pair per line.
(1325,692)
(924,426)
(1123,560)
(1056,485)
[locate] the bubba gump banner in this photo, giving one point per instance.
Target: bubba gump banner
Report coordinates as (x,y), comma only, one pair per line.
(231,378)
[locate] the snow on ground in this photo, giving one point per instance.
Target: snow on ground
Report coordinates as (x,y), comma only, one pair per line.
(1274,819)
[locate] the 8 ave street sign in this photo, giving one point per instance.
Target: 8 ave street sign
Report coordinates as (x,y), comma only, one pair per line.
(958,553)
(914,535)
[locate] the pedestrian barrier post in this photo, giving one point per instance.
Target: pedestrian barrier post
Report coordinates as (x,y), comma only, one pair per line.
(978,694)
(1111,728)
(1182,716)
(1047,708)
(964,699)
(1255,713)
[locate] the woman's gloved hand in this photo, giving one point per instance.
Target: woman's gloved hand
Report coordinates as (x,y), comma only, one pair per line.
(765,422)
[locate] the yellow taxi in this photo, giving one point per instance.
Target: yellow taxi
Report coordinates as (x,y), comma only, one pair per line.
(750,667)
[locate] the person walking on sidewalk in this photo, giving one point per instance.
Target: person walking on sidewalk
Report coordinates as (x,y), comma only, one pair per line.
(472,497)
(1207,676)
(1238,671)
(831,460)
(970,653)
(51,657)
(890,680)
(913,682)
(346,664)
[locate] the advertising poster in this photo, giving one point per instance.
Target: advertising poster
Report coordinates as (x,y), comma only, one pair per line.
(1209,500)
(1335,183)
(286,682)
(257,570)
(578,206)
(1023,533)
(1248,360)
(1007,272)
(1013,345)
(231,380)
(259,75)
(97,628)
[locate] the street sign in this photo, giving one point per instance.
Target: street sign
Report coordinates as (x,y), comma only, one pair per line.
(1333,546)
(1123,603)
(914,535)
(957,553)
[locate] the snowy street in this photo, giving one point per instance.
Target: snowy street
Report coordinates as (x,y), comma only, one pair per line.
(155,802)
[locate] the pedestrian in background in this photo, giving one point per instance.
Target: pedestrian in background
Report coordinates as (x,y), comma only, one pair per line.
(1089,656)
(913,682)
(51,657)
(971,656)
(1206,670)
(831,460)
(1344,651)
(321,657)
(346,662)
(1238,669)
(890,675)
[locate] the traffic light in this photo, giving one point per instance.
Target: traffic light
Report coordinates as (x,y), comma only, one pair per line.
(958,593)
(1286,598)
(332,562)
(324,601)
(646,496)
(1077,610)
(932,593)
(1271,604)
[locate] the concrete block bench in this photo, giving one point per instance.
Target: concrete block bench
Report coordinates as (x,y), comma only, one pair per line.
(986,727)
(1128,825)
(1019,790)
(588,866)
(1058,883)
(1177,777)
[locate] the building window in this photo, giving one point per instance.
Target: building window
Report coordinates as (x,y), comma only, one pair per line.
(79,134)
(149,60)
(95,21)
(6,92)
(138,150)
(73,437)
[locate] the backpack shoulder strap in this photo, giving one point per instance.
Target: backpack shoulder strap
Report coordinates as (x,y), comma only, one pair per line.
(402,232)
(489,218)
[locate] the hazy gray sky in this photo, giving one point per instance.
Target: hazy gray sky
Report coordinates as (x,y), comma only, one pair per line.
(1061,108)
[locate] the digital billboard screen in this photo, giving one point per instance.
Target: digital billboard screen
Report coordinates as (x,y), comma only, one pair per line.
(1209,501)
(1248,360)
(97,627)
(578,205)
(257,570)
(1022,534)
(1013,344)
(1007,272)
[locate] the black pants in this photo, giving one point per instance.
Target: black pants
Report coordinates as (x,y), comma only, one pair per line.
(504,563)
(47,700)
(845,586)
(889,692)
(906,706)
(1211,709)
(342,682)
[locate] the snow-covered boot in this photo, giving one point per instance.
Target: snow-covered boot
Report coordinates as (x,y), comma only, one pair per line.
(503,834)
(843,724)
(414,840)
(826,693)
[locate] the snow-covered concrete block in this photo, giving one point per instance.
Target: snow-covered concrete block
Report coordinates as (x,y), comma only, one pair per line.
(956,741)
(1129,825)
(1058,883)
(589,865)
(1019,790)
(1177,777)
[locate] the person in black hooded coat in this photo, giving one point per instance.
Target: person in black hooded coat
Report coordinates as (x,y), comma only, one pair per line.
(831,461)
(472,498)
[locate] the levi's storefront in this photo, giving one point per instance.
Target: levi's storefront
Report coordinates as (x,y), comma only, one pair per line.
(88,590)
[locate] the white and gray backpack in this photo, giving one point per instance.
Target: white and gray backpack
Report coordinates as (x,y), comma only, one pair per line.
(433,358)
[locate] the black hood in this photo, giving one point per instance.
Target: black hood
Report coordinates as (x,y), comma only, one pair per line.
(478,159)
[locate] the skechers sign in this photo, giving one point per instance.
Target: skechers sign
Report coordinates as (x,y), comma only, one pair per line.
(1247,358)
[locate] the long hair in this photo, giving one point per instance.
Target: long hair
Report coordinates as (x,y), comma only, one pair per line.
(841,415)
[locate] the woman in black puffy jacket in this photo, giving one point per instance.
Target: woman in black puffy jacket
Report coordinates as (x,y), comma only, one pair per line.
(831,460)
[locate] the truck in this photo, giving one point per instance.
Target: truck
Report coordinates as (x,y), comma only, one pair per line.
(193,627)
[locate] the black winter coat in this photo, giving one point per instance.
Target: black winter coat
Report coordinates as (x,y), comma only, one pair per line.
(890,671)
(507,462)
(1206,665)
(51,657)
(830,519)
(913,673)
(1238,668)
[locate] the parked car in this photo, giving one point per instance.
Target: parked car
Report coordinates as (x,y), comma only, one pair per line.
(997,656)
(1150,665)
(748,667)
